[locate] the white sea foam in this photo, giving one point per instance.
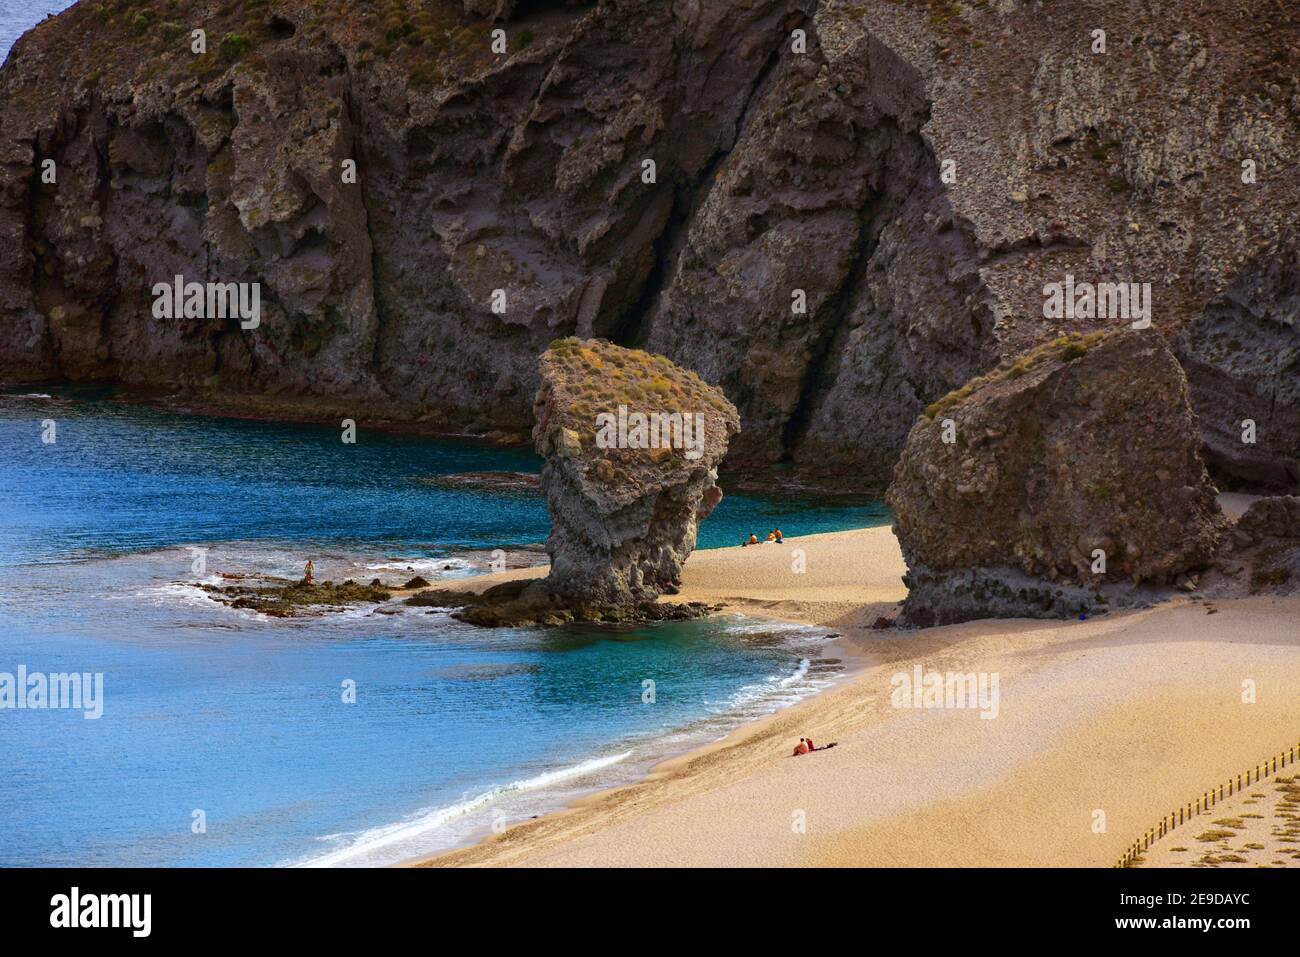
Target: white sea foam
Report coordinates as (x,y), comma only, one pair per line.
(380,838)
(171,593)
(800,674)
(421,565)
(187,594)
(749,626)
(774,692)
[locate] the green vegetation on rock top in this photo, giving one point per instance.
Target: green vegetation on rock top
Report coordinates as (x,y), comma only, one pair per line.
(1064,349)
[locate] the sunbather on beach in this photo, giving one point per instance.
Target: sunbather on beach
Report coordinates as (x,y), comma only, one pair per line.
(753,540)
(806,745)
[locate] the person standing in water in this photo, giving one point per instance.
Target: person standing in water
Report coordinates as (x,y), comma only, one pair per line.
(306,577)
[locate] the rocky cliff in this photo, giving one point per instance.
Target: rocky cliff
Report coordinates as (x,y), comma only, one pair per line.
(1262,553)
(1057,483)
(838,211)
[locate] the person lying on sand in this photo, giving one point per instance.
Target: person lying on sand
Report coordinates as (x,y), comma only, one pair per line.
(806,745)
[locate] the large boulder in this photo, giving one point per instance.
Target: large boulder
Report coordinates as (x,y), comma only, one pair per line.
(625,503)
(1058,483)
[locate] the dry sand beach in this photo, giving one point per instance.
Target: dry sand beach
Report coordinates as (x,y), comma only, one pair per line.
(1126,716)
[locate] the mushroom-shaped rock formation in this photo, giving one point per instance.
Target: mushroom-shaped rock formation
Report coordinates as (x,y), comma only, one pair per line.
(1064,480)
(632,444)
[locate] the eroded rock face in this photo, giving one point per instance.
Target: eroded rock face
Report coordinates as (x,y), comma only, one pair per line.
(624,518)
(474,172)
(821,170)
(1083,448)
(1262,552)
(1242,356)
(632,445)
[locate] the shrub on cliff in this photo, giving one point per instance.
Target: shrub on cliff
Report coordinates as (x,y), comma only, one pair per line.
(234,45)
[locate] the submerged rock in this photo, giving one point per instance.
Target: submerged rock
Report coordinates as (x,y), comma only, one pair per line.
(529,602)
(493,481)
(1061,482)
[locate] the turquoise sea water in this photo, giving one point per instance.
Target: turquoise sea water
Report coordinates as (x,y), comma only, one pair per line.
(238,720)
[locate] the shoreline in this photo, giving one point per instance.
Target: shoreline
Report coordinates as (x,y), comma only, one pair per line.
(777,608)
(1098,719)
(662,766)
(661,769)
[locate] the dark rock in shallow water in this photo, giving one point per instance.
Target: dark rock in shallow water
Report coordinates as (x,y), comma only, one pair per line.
(529,482)
(296,597)
(1064,482)
(530,602)
(419,581)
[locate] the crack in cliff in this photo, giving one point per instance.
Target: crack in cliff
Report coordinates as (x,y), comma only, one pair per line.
(30,246)
(109,304)
(631,328)
(356,123)
(834,326)
(833,321)
(48,288)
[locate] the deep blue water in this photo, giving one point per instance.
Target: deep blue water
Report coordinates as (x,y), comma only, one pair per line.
(19,16)
(241,717)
